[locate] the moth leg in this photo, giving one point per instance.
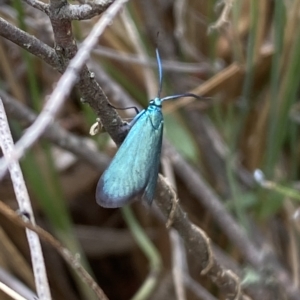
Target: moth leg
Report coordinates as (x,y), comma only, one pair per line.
(175,202)
(124,108)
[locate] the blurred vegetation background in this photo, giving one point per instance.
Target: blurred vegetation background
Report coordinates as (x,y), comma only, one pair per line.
(248,68)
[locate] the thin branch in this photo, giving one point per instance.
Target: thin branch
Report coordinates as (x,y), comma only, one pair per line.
(37,259)
(150,81)
(167,65)
(179,264)
(30,43)
(89,88)
(112,89)
(38,5)
(10,292)
(62,89)
(56,134)
(256,257)
(64,252)
(223,19)
(198,245)
(14,283)
(83,11)
(179,253)
(213,161)
(210,201)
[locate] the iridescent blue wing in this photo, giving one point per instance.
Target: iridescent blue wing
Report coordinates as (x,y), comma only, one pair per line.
(153,172)
(133,170)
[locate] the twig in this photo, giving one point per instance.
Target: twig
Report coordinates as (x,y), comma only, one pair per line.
(179,264)
(90,90)
(62,89)
(250,252)
(71,12)
(14,283)
(133,35)
(37,259)
(7,290)
(167,65)
(113,90)
(65,253)
(30,43)
(153,22)
(223,19)
(56,134)
(179,259)
(82,11)
(38,5)
(207,140)
(198,245)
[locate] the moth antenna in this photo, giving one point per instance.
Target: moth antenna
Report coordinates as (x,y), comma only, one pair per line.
(159,72)
(125,108)
(182,96)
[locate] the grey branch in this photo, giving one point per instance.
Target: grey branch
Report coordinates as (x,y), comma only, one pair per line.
(56,134)
(38,5)
(29,43)
(82,11)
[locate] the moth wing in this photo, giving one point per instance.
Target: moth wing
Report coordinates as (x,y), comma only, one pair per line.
(128,174)
(153,172)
